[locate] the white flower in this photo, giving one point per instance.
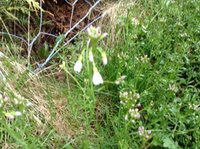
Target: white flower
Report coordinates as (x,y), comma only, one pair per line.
(133,121)
(91,59)
(2,77)
(149,132)
(6,98)
(141,130)
(135,21)
(172,87)
(16,101)
(104,58)
(10,116)
(126,117)
(105,61)
(1,96)
(136,95)
(78,65)
(120,80)
(29,104)
(103,36)
(1,54)
(144,59)
(63,65)
(121,102)
(18,113)
(95,33)
(97,78)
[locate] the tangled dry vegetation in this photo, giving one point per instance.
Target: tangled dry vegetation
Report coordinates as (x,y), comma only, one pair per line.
(21,26)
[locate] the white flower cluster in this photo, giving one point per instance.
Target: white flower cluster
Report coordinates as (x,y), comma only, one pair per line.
(135,21)
(129,100)
(127,97)
(193,106)
(7,102)
(95,35)
(120,80)
(12,115)
(124,56)
(134,113)
(144,59)
(173,88)
(144,133)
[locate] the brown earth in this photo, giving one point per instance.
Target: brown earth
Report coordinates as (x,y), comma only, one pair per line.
(60,18)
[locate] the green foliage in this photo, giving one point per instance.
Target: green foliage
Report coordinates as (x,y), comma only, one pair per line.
(15,16)
(10,8)
(158,55)
(150,94)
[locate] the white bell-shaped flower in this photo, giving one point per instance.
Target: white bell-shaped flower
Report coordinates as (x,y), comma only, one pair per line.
(97,78)
(78,65)
(91,58)
(104,58)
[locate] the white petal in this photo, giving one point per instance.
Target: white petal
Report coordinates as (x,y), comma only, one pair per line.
(17,113)
(105,61)
(97,78)
(78,66)
(126,117)
(1,54)
(29,104)
(104,35)
(104,58)
(2,77)
(91,59)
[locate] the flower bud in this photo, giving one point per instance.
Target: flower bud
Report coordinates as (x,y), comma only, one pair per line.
(104,58)
(78,65)
(91,59)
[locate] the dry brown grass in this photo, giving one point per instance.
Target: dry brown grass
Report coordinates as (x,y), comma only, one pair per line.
(49,106)
(111,12)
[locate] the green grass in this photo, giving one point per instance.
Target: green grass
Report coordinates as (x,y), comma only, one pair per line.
(160,58)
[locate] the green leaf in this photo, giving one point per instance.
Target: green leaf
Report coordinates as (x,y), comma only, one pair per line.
(169,143)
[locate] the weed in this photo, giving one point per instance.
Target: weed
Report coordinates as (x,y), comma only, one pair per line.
(147,95)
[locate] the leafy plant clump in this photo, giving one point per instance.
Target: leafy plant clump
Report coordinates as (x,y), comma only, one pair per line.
(136,87)
(160,94)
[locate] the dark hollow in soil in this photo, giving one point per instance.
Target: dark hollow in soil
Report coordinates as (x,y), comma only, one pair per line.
(60,16)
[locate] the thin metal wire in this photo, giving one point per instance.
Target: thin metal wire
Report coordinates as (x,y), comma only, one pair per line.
(15,36)
(66,43)
(55,49)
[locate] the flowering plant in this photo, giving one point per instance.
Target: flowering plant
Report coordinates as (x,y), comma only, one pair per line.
(12,103)
(94,36)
